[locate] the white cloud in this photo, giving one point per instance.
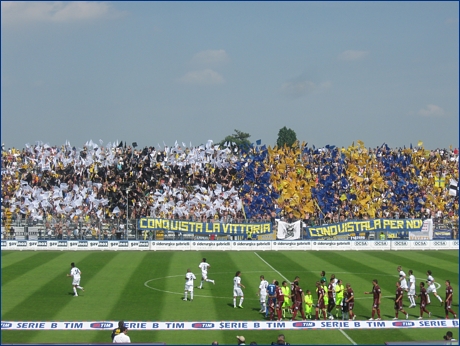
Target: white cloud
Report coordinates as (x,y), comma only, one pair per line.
(16,12)
(300,88)
(432,111)
(202,77)
(353,55)
(211,57)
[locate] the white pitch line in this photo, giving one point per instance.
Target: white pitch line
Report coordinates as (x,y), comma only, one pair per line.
(272,267)
(349,339)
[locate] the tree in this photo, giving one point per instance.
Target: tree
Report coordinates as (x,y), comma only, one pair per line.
(286,136)
(239,138)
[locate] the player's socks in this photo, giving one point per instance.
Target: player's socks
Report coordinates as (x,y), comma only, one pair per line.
(241,302)
(234,302)
(191,295)
(75,291)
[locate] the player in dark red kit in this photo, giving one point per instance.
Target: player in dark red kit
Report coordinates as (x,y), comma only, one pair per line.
(299,297)
(296,279)
(320,305)
(350,300)
(399,301)
(423,301)
(448,300)
(330,295)
(279,300)
(377,293)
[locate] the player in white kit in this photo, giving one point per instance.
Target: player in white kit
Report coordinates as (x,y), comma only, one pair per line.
(402,279)
(263,294)
(75,273)
(189,277)
(431,288)
(411,293)
(204,273)
(237,291)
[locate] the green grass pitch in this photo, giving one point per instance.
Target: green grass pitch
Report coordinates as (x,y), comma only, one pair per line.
(148,286)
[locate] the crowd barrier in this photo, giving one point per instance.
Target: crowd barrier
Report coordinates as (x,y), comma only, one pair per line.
(230,245)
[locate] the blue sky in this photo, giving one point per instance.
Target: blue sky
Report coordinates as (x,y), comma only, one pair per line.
(154,72)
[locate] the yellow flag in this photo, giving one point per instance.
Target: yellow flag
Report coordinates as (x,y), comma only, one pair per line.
(420,144)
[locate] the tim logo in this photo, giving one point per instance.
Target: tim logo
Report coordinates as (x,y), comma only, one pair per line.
(101,325)
(303,324)
(403,324)
(202,325)
(5,325)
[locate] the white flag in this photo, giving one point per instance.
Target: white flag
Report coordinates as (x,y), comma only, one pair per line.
(289,231)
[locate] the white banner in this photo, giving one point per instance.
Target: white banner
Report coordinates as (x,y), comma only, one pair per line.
(304,245)
(421,244)
(251,245)
(400,245)
(425,234)
(167,245)
(231,325)
(211,245)
(289,231)
(216,245)
(441,244)
(331,245)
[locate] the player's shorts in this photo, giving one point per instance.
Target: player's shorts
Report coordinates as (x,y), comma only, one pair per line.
(204,275)
(399,305)
(351,306)
(76,282)
(321,305)
(189,288)
(286,303)
(331,304)
(263,298)
(448,304)
(431,289)
(376,304)
(404,285)
(338,301)
(422,305)
(238,292)
(298,306)
(412,292)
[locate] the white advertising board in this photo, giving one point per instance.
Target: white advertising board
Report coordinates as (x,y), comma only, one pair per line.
(212,245)
(333,245)
(297,245)
(251,245)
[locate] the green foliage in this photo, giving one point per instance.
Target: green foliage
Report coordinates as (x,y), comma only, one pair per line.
(239,138)
(286,136)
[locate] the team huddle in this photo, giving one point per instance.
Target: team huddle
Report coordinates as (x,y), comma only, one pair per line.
(333,298)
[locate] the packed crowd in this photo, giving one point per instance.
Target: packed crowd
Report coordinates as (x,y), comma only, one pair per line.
(210,183)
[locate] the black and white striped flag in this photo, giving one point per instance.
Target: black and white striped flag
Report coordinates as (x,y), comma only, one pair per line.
(453,187)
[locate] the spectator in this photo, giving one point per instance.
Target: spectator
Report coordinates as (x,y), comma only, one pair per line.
(123,337)
(241,340)
(280,341)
